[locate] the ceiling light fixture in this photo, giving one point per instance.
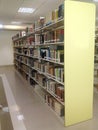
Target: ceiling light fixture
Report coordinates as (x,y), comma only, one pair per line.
(16,22)
(42,17)
(26,10)
(14,27)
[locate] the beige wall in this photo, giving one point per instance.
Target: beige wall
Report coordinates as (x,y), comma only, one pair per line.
(6,48)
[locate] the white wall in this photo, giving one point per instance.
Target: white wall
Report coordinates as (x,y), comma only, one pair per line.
(6,47)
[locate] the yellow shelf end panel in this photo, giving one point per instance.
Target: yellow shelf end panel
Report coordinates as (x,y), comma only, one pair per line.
(79,33)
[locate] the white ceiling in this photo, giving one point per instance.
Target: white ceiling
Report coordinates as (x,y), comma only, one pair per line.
(9,9)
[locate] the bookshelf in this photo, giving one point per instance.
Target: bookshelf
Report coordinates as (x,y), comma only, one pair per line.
(34,67)
(96,60)
(54,58)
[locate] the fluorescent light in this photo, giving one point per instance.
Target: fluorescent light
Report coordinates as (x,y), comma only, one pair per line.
(14,27)
(26,10)
(15,22)
(42,17)
(1,26)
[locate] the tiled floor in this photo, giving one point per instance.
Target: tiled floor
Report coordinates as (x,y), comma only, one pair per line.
(38,116)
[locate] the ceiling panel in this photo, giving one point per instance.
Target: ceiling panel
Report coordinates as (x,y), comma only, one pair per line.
(8,9)
(32,3)
(28,18)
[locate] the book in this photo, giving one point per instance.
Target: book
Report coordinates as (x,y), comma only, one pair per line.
(51,70)
(49,100)
(40,79)
(60,56)
(25,60)
(32,82)
(30,51)
(33,72)
(41,38)
(53,54)
(25,51)
(60,92)
(61,11)
(36,52)
(22,33)
(62,75)
(47,37)
(56,15)
(31,40)
(36,76)
(53,15)
(44,82)
(59,35)
(59,109)
(44,67)
(36,64)
(45,52)
(51,86)
(52,36)
(37,39)
(59,73)
(31,62)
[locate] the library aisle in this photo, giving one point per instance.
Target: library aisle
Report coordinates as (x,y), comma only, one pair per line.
(35,112)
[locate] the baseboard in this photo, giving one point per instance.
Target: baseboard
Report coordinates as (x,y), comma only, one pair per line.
(7,65)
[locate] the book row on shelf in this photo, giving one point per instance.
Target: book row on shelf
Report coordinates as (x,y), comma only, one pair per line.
(53,103)
(51,86)
(58,108)
(50,36)
(54,53)
(53,70)
(53,36)
(54,92)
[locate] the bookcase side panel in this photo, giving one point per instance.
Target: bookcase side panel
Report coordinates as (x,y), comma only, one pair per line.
(79,30)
